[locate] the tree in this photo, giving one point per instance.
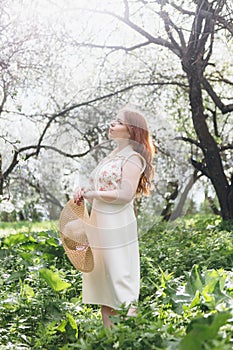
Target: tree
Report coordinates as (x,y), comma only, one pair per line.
(186,37)
(29,67)
(193,43)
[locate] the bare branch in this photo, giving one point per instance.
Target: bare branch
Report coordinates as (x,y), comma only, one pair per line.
(4,98)
(49,196)
(210,50)
(226,24)
(189,140)
(226,147)
(200,167)
(114,93)
(37,149)
(52,118)
(153,40)
(224,108)
(220,78)
(168,24)
(215,124)
(208,30)
(196,27)
(114,47)
(126,14)
(65,154)
(182,10)
(14,162)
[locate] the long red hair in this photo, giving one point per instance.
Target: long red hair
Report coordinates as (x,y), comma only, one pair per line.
(141,142)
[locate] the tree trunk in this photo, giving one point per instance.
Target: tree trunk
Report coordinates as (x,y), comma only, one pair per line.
(178,211)
(167,210)
(213,207)
(213,164)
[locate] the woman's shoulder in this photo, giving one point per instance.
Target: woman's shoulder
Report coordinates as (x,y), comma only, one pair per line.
(135,157)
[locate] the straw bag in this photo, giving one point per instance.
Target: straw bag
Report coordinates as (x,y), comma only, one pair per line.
(73,236)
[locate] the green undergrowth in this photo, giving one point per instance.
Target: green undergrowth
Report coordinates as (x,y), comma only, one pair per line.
(185,302)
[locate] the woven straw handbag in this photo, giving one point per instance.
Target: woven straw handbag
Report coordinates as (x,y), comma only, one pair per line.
(73,236)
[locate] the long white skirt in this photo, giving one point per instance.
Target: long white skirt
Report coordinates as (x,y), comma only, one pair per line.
(112,234)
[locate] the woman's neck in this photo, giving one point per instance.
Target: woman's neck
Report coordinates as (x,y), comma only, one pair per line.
(122,144)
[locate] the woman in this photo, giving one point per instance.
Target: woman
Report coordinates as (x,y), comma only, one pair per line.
(112,230)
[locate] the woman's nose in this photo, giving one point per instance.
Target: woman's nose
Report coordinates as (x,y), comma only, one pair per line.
(113,123)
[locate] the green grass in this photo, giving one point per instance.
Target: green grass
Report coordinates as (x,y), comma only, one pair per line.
(8,228)
(185,301)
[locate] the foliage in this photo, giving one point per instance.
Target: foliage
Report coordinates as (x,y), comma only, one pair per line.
(203,240)
(185,301)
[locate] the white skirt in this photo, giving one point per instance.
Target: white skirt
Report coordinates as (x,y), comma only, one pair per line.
(112,234)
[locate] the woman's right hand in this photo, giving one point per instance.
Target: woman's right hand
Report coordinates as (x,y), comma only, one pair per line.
(78,195)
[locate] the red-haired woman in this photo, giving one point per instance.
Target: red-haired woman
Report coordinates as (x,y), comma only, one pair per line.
(112,230)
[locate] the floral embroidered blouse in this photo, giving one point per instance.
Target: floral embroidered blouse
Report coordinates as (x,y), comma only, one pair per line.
(107,175)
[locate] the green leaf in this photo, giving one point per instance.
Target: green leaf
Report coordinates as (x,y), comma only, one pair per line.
(203,329)
(196,299)
(62,326)
(14,239)
(214,277)
(27,291)
(195,281)
(53,279)
(72,321)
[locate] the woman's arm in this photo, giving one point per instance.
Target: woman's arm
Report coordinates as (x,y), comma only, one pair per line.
(131,173)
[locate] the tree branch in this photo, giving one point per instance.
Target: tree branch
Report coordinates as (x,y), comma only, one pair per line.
(126,14)
(220,78)
(15,159)
(65,154)
(215,124)
(4,97)
(216,99)
(183,11)
(168,24)
(114,47)
(153,40)
(200,167)
(221,20)
(226,24)
(196,28)
(39,145)
(226,147)
(114,93)
(188,139)
(208,31)
(47,194)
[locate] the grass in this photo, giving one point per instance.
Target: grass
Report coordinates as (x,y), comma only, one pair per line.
(8,228)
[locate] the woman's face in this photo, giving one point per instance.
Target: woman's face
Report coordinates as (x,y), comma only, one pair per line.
(118,129)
